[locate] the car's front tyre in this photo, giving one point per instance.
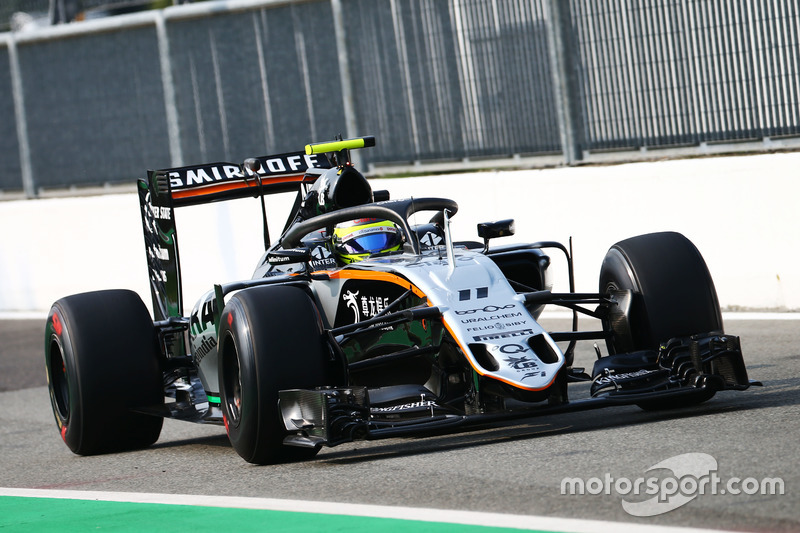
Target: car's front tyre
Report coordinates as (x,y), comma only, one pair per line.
(673,295)
(101,358)
(270,339)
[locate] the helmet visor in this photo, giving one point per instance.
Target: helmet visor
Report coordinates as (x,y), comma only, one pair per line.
(371,243)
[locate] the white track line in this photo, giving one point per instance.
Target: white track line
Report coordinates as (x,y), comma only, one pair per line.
(544,523)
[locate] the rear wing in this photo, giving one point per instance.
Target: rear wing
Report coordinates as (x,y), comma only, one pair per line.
(164,190)
(212,182)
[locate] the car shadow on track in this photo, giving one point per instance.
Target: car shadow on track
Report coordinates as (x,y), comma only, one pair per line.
(582,422)
(216,441)
(775,393)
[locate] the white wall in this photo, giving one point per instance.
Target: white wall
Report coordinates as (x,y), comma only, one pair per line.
(741,212)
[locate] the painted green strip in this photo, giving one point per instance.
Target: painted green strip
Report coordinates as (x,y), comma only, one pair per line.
(67,516)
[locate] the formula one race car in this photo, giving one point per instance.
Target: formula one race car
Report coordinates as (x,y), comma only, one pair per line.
(359,324)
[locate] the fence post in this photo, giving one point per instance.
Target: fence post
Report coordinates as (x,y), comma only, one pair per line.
(346,81)
(25,163)
(561,43)
(170,106)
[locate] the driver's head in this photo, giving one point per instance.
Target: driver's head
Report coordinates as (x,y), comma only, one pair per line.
(358,239)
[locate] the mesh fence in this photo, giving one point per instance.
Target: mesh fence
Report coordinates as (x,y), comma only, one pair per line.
(255,82)
(449,80)
(432,79)
(682,72)
(9,145)
(96,113)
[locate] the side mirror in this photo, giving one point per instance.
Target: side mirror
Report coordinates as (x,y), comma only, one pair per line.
(253,165)
(492,230)
(380,196)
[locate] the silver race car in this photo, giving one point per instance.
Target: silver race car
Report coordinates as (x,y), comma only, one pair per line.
(359,324)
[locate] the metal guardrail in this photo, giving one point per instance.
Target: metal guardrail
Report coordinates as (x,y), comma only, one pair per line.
(443,84)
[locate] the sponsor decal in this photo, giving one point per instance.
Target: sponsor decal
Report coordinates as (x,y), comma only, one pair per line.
(322,188)
(356,232)
(504,335)
(404,407)
(521,364)
(161,253)
(184,178)
(431,239)
(435,261)
(206,345)
(613,378)
(161,212)
(159,277)
(320,252)
(511,348)
(360,300)
(180,179)
(203,317)
(279,259)
(491,318)
(351,299)
(499,326)
(323,258)
(487,309)
(364,307)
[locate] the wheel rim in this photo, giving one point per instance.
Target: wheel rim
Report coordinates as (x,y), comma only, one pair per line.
(59,385)
(232,384)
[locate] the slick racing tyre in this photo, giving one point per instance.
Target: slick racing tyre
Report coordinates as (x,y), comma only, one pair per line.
(673,296)
(270,339)
(101,357)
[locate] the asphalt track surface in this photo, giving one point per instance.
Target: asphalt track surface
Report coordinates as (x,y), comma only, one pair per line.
(515,468)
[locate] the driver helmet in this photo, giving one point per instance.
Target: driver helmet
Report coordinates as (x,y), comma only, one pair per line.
(358,239)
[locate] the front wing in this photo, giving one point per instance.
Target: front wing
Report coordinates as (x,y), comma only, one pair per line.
(681,370)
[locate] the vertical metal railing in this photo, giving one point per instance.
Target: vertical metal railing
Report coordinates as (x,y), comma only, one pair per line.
(687,72)
(437,80)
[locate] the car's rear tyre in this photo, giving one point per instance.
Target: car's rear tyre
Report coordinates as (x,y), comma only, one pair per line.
(270,339)
(101,358)
(673,296)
